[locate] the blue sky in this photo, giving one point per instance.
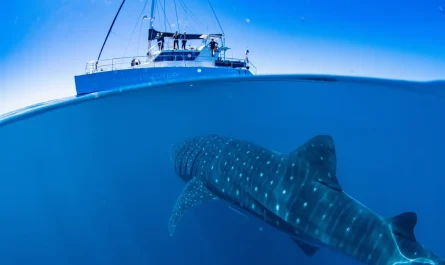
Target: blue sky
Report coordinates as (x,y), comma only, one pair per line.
(45,43)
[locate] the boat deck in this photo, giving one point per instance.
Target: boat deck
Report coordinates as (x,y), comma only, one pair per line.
(169,58)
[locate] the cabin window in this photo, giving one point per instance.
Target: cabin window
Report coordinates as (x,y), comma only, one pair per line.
(177,56)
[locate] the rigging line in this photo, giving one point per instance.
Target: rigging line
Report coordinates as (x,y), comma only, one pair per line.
(108,34)
(140,29)
(158,15)
(186,24)
(184,7)
(191,12)
(114,33)
(217,20)
(192,28)
(195,16)
(160,11)
(177,20)
(138,20)
(186,15)
(166,19)
(139,40)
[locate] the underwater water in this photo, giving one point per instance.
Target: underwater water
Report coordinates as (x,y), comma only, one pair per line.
(92,181)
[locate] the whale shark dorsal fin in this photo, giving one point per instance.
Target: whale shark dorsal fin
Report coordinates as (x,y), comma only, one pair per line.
(193,194)
(307,249)
(403,225)
(319,154)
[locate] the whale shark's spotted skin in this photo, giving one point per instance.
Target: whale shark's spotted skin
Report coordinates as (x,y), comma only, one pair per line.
(298,193)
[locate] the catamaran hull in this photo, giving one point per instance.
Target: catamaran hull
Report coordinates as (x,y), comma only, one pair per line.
(117,79)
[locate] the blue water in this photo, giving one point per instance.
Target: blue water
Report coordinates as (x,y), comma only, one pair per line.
(89,180)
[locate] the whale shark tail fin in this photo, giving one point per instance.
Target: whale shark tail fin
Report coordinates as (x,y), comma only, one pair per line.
(403,225)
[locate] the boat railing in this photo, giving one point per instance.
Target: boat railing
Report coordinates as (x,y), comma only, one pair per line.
(113,64)
(122,63)
(251,66)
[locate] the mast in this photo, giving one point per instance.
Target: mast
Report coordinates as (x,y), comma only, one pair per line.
(109,31)
(152,12)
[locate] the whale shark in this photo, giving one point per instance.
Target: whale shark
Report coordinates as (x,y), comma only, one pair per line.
(298,193)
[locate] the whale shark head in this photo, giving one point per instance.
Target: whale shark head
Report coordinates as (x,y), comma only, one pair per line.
(186,155)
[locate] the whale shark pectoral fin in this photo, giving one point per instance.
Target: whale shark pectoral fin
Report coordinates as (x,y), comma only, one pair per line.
(307,249)
(403,225)
(193,194)
(318,153)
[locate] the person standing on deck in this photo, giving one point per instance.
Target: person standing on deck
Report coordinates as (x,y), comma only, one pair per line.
(213,46)
(160,39)
(183,40)
(175,41)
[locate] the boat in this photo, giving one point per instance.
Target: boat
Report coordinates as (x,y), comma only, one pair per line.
(162,63)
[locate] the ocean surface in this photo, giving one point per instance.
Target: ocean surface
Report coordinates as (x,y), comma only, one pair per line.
(89,180)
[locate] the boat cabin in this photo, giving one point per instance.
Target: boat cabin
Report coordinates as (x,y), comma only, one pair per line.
(163,54)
